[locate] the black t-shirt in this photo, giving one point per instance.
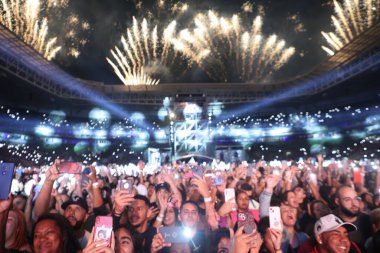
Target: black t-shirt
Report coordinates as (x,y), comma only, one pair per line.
(145,239)
(364,231)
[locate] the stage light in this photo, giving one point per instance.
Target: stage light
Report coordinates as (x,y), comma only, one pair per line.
(99,115)
(52,142)
(100,134)
(82,131)
(162,113)
(279,131)
(160,136)
(137,117)
(57,117)
(43,130)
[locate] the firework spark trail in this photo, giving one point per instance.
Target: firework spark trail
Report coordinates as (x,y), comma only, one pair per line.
(222,48)
(137,39)
(351,11)
(23,18)
(369,13)
(143,50)
(353,17)
(343,19)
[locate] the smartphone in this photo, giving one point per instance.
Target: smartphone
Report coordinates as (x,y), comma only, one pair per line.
(6,175)
(84,178)
(176,234)
(229,193)
(275,217)
(70,168)
(357,175)
(125,184)
(247,220)
(103,229)
(197,171)
(217,180)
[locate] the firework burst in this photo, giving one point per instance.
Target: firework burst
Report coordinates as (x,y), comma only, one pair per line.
(222,48)
(351,18)
(24,19)
(145,53)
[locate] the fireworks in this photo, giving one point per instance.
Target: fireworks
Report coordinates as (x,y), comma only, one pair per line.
(225,51)
(351,18)
(144,54)
(23,18)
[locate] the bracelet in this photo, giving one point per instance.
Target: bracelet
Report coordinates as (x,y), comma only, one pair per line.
(160,219)
(207,199)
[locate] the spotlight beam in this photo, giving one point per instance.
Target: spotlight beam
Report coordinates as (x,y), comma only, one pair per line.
(318,82)
(22,56)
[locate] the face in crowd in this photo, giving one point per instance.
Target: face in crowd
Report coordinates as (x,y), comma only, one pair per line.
(242,200)
(348,201)
(189,215)
(170,217)
(47,237)
(288,215)
(123,241)
(138,213)
(335,241)
(76,215)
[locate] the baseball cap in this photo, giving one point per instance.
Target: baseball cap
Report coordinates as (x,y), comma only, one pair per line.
(76,201)
(163,185)
(331,222)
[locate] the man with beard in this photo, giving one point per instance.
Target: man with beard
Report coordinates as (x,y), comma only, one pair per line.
(330,236)
(348,210)
(138,214)
(76,212)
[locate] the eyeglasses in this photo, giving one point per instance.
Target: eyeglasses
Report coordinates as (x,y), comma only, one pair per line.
(356,199)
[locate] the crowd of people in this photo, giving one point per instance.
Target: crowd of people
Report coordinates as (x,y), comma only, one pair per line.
(191,207)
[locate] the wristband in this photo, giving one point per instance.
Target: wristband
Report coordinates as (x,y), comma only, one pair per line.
(161,215)
(160,219)
(95,185)
(208,199)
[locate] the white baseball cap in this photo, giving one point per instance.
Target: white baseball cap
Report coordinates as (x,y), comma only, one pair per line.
(331,222)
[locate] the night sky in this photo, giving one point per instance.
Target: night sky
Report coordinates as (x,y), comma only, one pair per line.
(110,19)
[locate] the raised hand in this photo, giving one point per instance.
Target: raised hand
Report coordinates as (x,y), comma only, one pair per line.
(53,173)
(123,199)
(158,243)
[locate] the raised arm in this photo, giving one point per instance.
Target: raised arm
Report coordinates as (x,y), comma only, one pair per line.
(266,195)
(43,198)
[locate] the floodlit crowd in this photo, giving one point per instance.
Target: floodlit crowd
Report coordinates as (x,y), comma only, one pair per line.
(190,207)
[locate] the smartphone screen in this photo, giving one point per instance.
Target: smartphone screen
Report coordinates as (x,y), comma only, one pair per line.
(125,184)
(103,229)
(198,171)
(6,175)
(176,234)
(217,180)
(275,217)
(70,168)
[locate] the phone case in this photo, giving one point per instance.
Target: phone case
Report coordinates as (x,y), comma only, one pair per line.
(275,217)
(217,181)
(70,168)
(103,229)
(174,234)
(198,171)
(229,194)
(6,175)
(125,184)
